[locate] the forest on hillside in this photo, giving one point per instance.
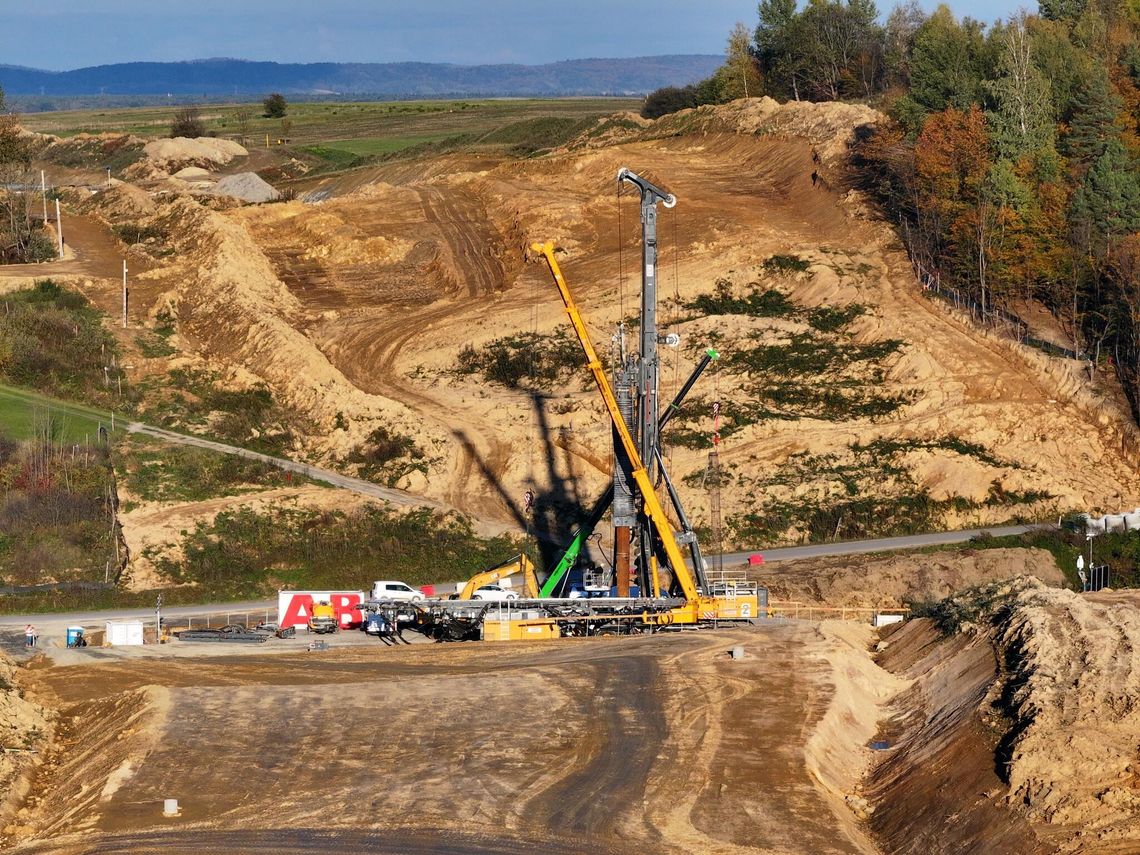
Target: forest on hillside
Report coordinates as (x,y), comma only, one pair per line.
(1010,158)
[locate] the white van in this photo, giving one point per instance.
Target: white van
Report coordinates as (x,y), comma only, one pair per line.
(391,590)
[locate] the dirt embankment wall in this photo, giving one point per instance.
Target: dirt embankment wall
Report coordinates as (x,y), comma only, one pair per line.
(894,581)
(231,302)
(1019,730)
(25,728)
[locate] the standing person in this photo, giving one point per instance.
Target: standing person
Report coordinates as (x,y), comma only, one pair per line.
(29,636)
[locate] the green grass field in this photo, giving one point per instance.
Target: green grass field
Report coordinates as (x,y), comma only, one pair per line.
(368,146)
(21,412)
(374,127)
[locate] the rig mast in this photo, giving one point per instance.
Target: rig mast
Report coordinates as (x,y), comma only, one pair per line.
(637,384)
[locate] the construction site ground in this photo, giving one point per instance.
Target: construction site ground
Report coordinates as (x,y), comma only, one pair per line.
(1009,729)
(1011,734)
(525,745)
(354,309)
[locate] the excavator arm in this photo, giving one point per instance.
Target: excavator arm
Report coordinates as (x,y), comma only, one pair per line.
(518,564)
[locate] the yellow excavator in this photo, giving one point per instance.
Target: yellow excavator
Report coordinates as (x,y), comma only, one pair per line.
(518,564)
(698,605)
(323,618)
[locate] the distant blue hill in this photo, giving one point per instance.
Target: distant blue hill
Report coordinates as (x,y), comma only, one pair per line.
(222,77)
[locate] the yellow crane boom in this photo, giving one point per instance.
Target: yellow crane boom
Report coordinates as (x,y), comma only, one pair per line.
(653,508)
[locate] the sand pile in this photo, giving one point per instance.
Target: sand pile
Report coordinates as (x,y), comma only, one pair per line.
(120,203)
(191,173)
(247,186)
(205,152)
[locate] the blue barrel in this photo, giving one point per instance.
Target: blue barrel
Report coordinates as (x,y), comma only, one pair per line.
(74,636)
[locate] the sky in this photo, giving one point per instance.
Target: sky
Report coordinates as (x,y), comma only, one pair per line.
(66,34)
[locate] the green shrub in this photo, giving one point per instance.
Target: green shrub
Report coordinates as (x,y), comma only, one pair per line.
(768,303)
(525,360)
(53,340)
(387,457)
(157,472)
(247,553)
(786,264)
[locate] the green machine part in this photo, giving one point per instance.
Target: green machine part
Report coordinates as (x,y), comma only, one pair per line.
(570,556)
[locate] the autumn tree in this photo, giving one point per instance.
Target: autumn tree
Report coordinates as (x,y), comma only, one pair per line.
(952,163)
(739,77)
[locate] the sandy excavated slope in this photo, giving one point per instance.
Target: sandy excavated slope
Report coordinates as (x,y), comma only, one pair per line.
(25,728)
(354,310)
(1018,733)
(897,580)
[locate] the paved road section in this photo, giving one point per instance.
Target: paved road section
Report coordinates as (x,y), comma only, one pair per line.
(882,544)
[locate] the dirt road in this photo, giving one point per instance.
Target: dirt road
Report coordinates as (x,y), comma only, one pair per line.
(92,248)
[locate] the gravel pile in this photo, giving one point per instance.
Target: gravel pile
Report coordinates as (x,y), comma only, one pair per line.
(247,186)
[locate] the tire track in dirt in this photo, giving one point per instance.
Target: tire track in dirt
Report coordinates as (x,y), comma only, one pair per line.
(629,723)
(377,340)
(271,841)
(470,249)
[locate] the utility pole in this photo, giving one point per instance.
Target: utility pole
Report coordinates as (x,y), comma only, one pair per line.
(43,192)
(124,293)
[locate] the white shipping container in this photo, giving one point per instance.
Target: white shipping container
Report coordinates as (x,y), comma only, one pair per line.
(124,632)
(295,607)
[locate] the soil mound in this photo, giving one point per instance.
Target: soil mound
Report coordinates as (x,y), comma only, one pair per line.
(1073,692)
(120,203)
(92,151)
(191,173)
(180,152)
